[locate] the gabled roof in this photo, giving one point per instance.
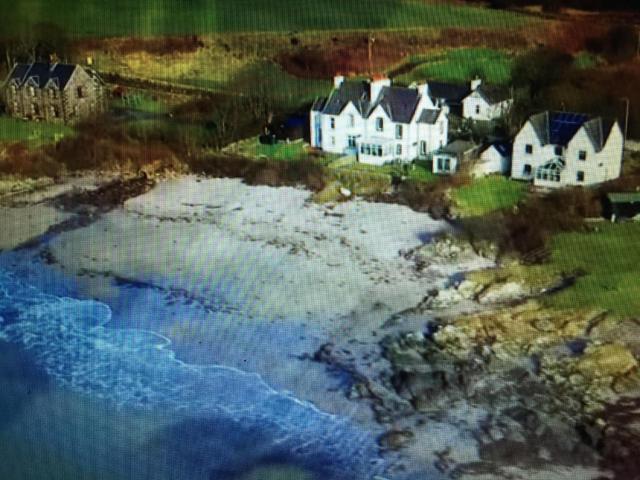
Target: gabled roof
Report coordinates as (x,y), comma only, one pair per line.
(449,92)
(318,104)
(429,116)
(354,92)
(493,94)
(505,149)
(558,128)
(398,103)
(40,74)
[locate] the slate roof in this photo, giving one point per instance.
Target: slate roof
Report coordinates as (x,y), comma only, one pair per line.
(493,93)
(449,92)
(558,128)
(318,104)
(41,73)
(398,103)
(355,92)
(457,147)
(429,116)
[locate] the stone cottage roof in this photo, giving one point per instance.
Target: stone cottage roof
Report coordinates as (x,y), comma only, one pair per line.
(558,128)
(41,73)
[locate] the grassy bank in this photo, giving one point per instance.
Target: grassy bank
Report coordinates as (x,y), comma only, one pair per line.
(460,65)
(487,194)
(33,134)
(173,17)
(609,258)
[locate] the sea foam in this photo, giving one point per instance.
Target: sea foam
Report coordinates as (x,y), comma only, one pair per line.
(71,341)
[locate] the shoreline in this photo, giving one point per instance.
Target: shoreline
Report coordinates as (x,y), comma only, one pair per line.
(355,347)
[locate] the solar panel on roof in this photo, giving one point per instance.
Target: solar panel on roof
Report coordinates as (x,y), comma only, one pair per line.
(564,125)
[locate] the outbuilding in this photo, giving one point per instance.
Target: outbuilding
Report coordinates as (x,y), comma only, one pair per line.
(447,160)
(494,158)
(622,205)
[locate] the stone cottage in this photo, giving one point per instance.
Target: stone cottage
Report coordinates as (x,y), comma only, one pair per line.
(53,92)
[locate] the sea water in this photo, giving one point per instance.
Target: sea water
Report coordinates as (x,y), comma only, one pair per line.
(82,396)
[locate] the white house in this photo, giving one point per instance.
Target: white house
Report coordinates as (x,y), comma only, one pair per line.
(486,102)
(377,122)
(555,149)
(494,158)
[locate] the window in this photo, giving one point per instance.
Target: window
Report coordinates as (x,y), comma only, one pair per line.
(333,140)
(558,150)
(444,164)
(379,150)
(351,141)
(332,123)
(580,176)
(54,111)
(32,91)
(35,109)
(528,149)
(477,109)
(398,131)
(80,92)
(352,120)
(398,149)
(527,169)
(582,155)
(379,124)
(423,147)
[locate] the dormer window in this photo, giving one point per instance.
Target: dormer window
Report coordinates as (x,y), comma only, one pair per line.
(398,131)
(379,124)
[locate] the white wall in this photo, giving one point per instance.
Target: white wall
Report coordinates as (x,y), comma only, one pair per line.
(487,111)
(491,161)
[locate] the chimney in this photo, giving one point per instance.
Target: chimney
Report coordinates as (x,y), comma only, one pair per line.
(423,89)
(338,80)
(376,84)
(475,83)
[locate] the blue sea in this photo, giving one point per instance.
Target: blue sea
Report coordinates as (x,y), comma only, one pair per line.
(87,393)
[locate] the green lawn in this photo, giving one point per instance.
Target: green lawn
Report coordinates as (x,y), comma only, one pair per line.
(252,148)
(610,257)
(176,17)
(487,194)
(34,134)
(460,65)
(417,171)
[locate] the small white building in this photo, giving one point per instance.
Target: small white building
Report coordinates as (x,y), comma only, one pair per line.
(486,102)
(555,149)
(448,159)
(494,158)
(377,122)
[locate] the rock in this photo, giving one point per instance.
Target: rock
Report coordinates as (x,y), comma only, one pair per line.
(502,292)
(395,439)
(468,289)
(610,360)
(345,192)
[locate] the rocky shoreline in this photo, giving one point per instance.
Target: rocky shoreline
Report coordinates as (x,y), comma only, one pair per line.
(547,389)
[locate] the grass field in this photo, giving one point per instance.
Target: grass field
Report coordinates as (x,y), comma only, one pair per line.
(176,17)
(487,194)
(34,134)
(460,65)
(610,258)
(252,148)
